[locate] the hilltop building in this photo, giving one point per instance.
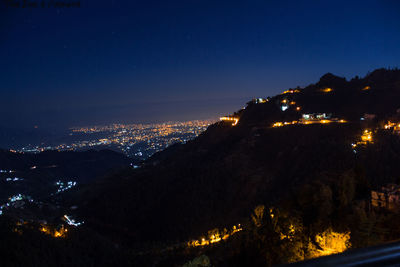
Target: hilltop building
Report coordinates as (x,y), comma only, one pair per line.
(394,126)
(260,100)
(369,117)
(232,119)
(316,116)
(388,197)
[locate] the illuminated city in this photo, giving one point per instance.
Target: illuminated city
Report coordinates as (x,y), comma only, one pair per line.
(134,140)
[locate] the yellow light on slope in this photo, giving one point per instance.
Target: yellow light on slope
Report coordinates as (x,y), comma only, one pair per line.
(292,91)
(330,242)
(55,233)
(277,124)
(234,119)
(325,121)
(214,236)
(326,90)
(366,136)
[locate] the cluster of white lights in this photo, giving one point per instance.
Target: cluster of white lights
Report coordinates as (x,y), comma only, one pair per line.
(9,179)
(135,166)
(14,198)
(71,221)
(64,186)
(5,171)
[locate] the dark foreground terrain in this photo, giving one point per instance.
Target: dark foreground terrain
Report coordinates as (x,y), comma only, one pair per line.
(246,194)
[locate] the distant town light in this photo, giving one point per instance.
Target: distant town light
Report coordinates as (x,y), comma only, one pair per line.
(228,118)
(291,91)
(71,221)
(326,90)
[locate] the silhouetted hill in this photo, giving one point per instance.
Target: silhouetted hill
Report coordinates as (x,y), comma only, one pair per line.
(348,99)
(20,137)
(304,179)
(218,178)
(40,171)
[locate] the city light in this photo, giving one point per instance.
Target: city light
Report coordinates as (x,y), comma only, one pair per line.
(128,137)
(326,90)
(233,119)
(215,236)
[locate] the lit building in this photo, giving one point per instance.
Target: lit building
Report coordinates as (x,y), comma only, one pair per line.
(326,90)
(395,126)
(234,120)
(291,91)
(316,116)
(388,197)
(260,100)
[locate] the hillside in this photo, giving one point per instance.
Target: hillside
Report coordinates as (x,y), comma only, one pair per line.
(32,185)
(284,185)
(217,180)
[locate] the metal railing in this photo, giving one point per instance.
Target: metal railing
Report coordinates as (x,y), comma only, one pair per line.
(383,255)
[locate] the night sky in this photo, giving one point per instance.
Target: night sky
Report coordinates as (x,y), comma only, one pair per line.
(145,61)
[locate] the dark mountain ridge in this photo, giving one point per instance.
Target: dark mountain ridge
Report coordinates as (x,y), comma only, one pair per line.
(348,99)
(285,185)
(38,173)
(218,178)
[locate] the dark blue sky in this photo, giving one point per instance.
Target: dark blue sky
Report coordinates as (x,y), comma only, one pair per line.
(128,61)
